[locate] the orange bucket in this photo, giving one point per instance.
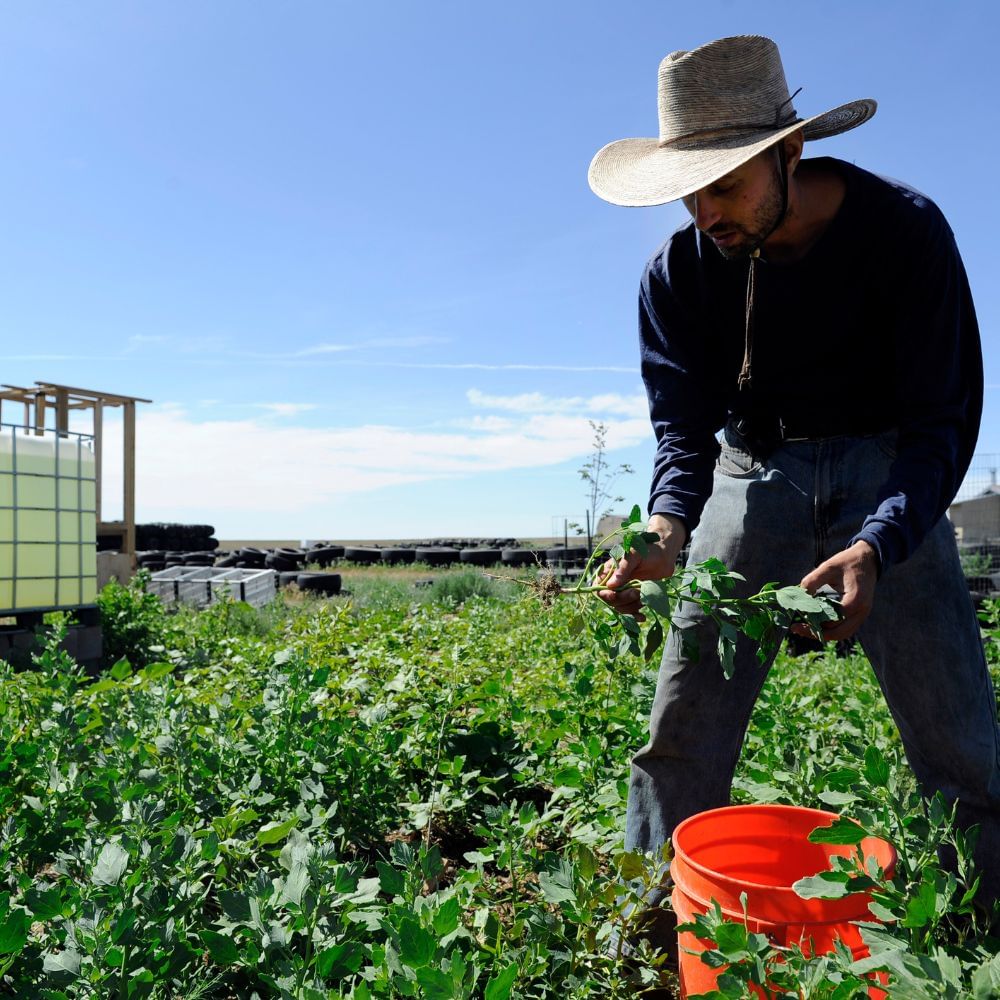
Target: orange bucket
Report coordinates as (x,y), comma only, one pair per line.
(761,850)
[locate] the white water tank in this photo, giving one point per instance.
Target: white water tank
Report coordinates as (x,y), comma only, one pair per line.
(48,521)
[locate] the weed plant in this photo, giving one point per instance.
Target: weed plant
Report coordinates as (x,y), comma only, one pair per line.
(387,801)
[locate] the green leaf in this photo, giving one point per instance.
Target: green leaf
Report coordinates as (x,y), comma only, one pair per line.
(841,831)
(631,865)
(757,626)
(557,884)
(14,932)
(478,857)
(416,945)
(274,833)
(222,949)
(155,671)
(435,984)
(339,960)
(731,940)
(634,517)
(390,879)
(796,599)
(657,595)
(447,917)
(210,846)
(654,639)
(922,908)
(727,649)
(825,885)
(63,965)
(837,799)
(111,865)
(44,903)
(235,905)
(499,986)
(123,924)
(986,979)
(876,768)
(568,777)
(121,670)
(296,883)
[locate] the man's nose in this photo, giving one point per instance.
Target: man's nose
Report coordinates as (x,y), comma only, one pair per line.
(705,210)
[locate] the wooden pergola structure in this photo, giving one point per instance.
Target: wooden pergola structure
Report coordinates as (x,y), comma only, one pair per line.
(44,397)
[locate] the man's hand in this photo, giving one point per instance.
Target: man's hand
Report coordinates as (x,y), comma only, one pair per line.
(853,573)
(657,564)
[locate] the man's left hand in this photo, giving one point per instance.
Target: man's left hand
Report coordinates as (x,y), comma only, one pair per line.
(853,574)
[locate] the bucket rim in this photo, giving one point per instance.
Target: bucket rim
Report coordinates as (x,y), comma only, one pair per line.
(768,808)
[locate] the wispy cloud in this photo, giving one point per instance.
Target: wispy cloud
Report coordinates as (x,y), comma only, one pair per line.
(318,349)
(286,409)
(536,402)
(405,342)
(186,465)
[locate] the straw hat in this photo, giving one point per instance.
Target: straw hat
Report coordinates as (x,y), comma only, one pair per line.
(720,105)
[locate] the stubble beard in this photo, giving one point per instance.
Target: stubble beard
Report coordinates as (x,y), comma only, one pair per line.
(765,220)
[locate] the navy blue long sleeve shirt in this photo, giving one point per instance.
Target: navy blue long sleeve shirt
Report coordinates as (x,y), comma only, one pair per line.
(874,324)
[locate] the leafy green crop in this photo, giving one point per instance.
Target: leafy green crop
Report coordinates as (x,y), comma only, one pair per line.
(413,800)
(763,617)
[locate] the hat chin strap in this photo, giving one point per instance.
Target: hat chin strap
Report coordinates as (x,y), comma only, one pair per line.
(745,381)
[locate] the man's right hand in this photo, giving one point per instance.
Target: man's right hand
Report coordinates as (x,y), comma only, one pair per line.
(658,563)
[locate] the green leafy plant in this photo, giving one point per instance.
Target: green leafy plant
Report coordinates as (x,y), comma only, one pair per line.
(709,586)
(401,801)
(975,564)
(134,622)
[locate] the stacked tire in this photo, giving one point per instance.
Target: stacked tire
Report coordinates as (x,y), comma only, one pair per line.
(519,557)
(324,555)
(437,555)
(480,556)
(327,584)
(398,556)
(175,537)
(285,560)
(362,555)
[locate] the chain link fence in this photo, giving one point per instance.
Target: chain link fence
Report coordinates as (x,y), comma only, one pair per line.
(975,514)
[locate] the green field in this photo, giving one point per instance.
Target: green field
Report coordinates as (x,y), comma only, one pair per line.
(407,792)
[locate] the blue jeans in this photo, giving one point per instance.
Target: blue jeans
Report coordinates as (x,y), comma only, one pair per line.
(775,522)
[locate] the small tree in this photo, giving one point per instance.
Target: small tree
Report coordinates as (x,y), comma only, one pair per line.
(600,477)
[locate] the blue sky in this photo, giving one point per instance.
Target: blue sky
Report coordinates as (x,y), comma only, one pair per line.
(350,252)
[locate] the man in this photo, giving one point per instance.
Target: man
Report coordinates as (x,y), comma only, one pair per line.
(820,317)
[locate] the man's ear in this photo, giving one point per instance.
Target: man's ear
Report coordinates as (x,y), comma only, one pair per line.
(793,150)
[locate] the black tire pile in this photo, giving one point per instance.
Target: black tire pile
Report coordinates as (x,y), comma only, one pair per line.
(469,552)
(160,546)
(195,545)
(289,565)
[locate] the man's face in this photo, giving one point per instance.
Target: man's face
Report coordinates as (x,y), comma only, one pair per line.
(742,208)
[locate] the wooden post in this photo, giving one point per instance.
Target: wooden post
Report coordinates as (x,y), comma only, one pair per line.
(98,446)
(129,499)
(39,414)
(62,412)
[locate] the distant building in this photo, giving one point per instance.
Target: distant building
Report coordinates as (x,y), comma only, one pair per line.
(978,518)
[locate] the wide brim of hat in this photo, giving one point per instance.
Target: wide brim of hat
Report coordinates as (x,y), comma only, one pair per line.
(640,172)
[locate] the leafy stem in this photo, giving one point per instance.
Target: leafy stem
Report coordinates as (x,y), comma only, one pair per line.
(762,617)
